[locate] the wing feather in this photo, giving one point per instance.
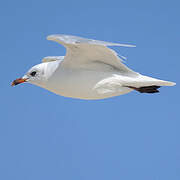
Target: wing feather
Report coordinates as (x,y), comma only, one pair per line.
(68,39)
(52,58)
(82,51)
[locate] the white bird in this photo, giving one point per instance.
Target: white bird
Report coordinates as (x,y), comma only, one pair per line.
(90,70)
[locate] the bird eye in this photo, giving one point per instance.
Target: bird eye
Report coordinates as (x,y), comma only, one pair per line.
(33,73)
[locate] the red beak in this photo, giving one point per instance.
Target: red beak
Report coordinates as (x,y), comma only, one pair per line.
(18,81)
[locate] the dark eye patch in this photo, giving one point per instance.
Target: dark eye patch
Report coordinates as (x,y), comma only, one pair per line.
(33,73)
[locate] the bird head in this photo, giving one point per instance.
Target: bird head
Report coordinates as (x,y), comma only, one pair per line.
(35,75)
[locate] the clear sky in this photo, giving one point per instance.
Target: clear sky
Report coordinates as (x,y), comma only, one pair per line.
(131,137)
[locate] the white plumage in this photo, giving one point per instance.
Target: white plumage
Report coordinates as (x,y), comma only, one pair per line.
(90,70)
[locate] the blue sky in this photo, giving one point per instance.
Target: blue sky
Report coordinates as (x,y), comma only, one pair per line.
(134,136)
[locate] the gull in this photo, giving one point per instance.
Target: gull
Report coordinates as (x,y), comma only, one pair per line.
(89,70)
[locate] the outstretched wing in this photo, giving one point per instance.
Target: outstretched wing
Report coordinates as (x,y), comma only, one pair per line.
(83,53)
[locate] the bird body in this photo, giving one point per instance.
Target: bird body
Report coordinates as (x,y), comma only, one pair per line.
(90,70)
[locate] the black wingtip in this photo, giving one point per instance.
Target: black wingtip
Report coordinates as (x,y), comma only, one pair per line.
(146,89)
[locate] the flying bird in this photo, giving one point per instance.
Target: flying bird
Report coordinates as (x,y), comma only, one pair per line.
(89,70)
